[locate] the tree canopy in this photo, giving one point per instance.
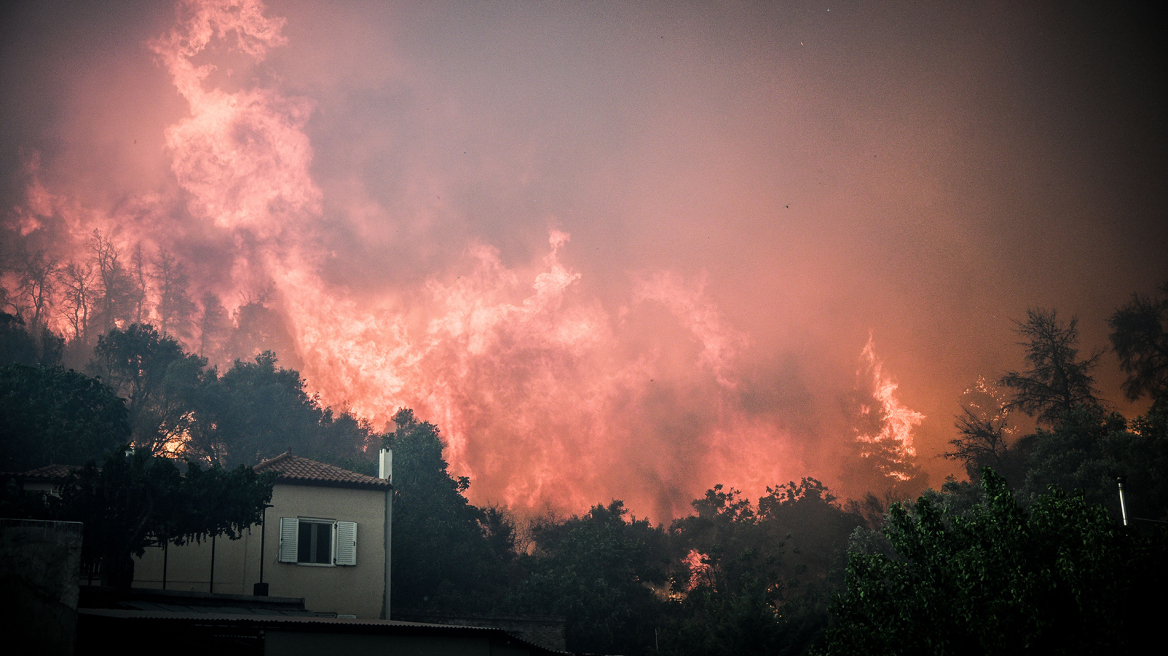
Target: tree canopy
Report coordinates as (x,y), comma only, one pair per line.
(1140,339)
(50,415)
(1057,380)
(1061,577)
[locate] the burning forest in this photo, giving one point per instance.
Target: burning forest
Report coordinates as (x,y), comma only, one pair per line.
(668,259)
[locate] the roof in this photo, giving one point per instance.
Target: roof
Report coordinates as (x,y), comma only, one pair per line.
(173,623)
(295,470)
(46,473)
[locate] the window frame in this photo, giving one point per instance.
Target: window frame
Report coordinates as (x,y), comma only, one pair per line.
(288,549)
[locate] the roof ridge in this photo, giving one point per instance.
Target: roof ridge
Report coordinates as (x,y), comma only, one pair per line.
(301,470)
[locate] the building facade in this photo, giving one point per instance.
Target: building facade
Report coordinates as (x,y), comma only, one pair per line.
(324,538)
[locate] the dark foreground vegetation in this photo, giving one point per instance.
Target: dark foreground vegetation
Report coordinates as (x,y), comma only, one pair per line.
(1029,554)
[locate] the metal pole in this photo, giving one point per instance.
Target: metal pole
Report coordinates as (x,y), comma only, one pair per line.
(263,535)
(165,557)
(261,589)
(211,587)
(1122,502)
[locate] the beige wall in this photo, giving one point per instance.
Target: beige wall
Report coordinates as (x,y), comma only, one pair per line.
(354,590)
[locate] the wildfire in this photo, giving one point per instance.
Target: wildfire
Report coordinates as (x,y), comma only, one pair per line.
(546,397)
(893,421)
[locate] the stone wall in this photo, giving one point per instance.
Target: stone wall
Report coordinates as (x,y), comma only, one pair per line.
(40,571)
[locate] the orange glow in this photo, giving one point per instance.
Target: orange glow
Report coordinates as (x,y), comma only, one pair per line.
(627,253)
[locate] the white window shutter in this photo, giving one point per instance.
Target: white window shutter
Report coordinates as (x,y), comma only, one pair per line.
(289,539)
(346,543)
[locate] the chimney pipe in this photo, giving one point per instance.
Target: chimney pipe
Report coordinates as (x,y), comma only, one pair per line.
(385,471)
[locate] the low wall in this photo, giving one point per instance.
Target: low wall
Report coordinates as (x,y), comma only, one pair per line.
(40,572)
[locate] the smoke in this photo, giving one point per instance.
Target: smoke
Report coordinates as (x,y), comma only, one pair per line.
(623,251)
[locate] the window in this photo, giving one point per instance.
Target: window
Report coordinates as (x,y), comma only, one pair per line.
(316,542)
(311,541)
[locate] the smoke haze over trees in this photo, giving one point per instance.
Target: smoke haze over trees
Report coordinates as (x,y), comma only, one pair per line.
(735,575)
(580,239)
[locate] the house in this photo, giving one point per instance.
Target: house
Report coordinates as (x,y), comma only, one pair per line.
(324,538)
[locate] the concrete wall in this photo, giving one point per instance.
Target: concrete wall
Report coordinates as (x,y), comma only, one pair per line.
(40,568)
(354,590)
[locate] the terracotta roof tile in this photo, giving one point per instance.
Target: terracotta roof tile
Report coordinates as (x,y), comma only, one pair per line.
(302,471)
(48,472)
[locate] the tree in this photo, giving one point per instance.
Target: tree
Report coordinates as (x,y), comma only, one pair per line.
(1062,577)
(595,571)
(138,273)
(38,280)
(80,293)
(50,415)
(135,500)
(1091,447)
(175,308)
(1057,379)
(448,562)
(154,375)
(117,296)
(18,345)
(260,328)
(1140,339)
(755,579)
(265,410)
(214,329)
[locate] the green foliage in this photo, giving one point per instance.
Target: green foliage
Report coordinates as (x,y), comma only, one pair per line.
(135,500)
(448,554)
(760,586)
(597,571)
(1057,380)
(19,345)
(1091,447)
(155,376)
(49,415)
(1062,577)
(1140,339)
(258,410)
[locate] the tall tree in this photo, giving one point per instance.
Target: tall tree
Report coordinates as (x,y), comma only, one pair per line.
(447,563)
(139,275)
(80,294)
(1057,379)
(260,328)
(1140,339)
(214,329)
(117,295)
(38,281)
(266,411)
(155,376)
(595,570)
(19,345)
(175,309)
(50,415)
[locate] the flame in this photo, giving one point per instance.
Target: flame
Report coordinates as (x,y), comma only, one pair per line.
(896,421)
(700,569)
(545,396)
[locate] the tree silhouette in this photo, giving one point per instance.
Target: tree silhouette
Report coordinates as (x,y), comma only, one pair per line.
(1057,380)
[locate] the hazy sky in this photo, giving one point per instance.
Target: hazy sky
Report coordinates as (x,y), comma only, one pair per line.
(613,249)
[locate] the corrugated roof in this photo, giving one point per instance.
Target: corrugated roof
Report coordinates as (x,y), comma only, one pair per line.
(295,470)
(320,624)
